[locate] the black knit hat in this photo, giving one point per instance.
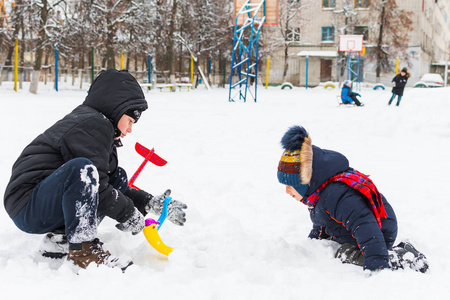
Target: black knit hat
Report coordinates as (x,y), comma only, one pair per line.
(134,113)
(405,70)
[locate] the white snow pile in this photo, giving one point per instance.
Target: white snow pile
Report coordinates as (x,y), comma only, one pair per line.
(244,237)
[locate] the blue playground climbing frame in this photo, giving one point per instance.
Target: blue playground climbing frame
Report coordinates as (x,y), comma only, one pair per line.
(244,61)
(354,69)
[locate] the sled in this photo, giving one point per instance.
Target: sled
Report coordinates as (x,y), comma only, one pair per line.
(339,101)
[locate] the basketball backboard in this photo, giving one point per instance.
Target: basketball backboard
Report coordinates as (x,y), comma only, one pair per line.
(351,43)
(272,11)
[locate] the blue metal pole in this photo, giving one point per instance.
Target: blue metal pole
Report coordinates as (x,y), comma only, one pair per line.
(307,61)
(56,67)
(256,65)
(149,60)
(359,72)
(209,65)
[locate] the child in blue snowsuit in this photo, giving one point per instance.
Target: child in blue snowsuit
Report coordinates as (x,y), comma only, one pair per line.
(348,96)
(344,205)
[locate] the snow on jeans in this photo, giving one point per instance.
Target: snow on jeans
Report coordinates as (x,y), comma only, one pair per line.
(68,198)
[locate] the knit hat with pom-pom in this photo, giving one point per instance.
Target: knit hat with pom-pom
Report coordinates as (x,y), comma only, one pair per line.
(295,166)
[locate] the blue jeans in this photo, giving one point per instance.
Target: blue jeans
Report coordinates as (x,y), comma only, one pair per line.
(67,200)
(393,97)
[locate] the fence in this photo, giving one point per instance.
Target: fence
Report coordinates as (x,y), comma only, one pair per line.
(78,77)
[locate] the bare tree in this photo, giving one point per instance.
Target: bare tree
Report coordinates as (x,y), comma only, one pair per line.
(41,22)
(393,27)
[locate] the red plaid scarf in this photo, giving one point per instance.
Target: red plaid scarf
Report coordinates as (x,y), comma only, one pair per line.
(359,182)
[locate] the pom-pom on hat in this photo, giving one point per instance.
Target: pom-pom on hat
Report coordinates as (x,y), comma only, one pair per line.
(295,166)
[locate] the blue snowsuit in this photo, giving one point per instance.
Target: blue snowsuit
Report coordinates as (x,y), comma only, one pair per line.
(348,96)
(342,213)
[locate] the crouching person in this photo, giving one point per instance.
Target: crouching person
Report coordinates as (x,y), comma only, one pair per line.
(348,96)
(344,205)
(68,178)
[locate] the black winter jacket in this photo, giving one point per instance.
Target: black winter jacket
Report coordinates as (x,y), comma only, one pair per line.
(88,131)
(343,213)
(399,83)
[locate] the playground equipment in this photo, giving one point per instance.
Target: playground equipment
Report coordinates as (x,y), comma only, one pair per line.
(244,61)
(352,45)
(16,63)
(250,16)
(152,226)
(329,84)
(193,59)
(56,67)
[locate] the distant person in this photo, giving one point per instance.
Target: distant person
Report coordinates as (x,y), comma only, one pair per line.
(348,96)
(345,206)
(399,81)
(68,178)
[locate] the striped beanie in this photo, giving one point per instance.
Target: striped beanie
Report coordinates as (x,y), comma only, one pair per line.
(295,166)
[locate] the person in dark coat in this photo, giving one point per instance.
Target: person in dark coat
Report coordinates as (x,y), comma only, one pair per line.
(348,96)
(68,178)
(399,81)
(344,205)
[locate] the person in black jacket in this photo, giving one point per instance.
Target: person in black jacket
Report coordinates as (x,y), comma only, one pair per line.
(399,81)
(68,178)
(344,205)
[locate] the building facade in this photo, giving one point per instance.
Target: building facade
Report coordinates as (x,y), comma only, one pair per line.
(314,38)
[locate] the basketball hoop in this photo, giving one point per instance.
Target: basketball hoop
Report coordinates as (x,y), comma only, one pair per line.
(351,43)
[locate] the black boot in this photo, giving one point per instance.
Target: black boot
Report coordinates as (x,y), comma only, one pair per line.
(54,245)
(404,254)
(350,254)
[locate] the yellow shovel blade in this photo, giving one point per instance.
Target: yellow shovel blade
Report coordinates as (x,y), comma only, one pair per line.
(152,236)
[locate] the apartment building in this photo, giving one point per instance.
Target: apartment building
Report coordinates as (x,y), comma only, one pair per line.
(315,35)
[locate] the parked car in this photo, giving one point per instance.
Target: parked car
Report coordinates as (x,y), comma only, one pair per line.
(430,80)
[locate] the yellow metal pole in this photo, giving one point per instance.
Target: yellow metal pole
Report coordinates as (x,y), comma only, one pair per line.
(396,67)
(192,70)
(121,59)
(16,63)
(267,72)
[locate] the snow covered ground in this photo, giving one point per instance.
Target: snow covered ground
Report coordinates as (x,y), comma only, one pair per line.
(245,238)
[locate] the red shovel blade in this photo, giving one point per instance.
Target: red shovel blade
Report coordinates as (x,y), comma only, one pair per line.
(150,155)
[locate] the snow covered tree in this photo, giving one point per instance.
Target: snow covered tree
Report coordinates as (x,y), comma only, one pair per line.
(393,27)
(3,23)
(40,22)
(210,31)
(200,27)
(108,20)
(8,34)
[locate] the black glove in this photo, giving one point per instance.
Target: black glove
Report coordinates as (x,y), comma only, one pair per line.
(135,223)
(175,208)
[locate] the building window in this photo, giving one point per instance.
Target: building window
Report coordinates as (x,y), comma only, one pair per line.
(293,34)
(328,3)
(328,34)
(362,30)
(361,3)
